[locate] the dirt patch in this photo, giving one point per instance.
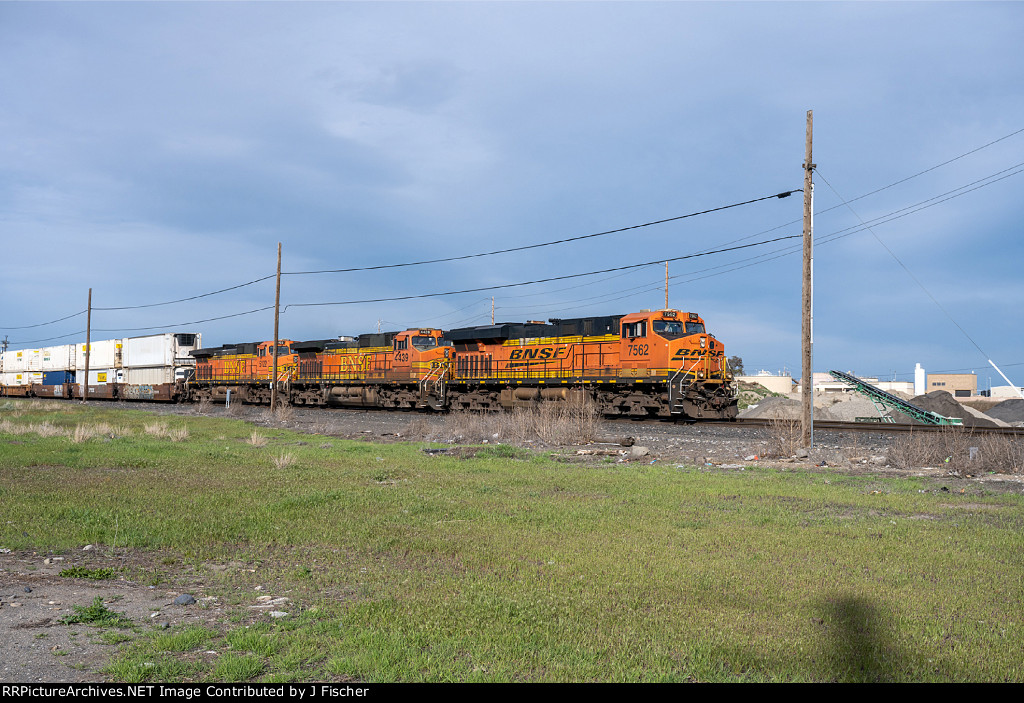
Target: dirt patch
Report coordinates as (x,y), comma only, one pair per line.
(38,647)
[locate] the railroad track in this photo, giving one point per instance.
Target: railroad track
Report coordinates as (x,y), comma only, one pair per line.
(837,426)
(885,427)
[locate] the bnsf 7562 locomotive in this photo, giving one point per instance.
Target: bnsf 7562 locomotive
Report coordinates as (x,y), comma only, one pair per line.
(661,363)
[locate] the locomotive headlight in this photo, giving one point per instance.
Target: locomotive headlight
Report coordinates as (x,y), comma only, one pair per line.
(700,374)
(703,342)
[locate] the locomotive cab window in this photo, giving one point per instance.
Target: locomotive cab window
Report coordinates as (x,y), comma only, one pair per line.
(424,342)
(669,329)
(635,329)
(694,328)
(401,344)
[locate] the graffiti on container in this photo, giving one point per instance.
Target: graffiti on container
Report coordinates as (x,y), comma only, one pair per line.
(138,392)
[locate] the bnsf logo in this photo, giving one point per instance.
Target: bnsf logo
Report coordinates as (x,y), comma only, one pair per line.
(541,353)
(683,354)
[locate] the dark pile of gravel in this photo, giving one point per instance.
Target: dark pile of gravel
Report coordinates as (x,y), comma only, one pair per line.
(1011,411)
(942,402)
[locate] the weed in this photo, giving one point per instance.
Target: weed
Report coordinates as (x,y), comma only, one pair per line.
(82,433)
(255,639)
(46,429)
(959,450)
(97,615)
(283,461)
(80,572)
(258,439)
(189,638)
(204,406)
(178,434)
(232,667)
(111,637)
(284,413)
(572,421)
(156,429)
(503,451)
(784,437)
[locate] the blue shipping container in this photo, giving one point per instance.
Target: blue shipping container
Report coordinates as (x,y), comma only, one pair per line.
(56,378)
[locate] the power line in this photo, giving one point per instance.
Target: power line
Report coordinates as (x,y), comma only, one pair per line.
(886,187)
(183,324)
(927,170)
(907,270)
(193,297)
(540,280)
(541,244)
(49,339)
(44,324)
(825,239)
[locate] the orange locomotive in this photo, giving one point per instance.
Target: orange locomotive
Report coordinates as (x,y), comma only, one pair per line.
(244,369)
(387,370)
(661,363)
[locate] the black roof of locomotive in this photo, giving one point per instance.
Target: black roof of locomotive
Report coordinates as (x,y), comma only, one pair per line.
(375,339)
(585,326)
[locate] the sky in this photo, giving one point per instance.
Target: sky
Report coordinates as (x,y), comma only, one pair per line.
(160,151)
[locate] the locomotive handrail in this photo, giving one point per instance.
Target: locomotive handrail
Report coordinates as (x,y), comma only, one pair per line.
(439,387)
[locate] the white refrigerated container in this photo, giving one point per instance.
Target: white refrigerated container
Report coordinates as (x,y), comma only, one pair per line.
(159,349)
(104,354)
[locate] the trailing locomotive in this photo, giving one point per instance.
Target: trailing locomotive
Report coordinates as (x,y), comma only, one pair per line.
(660,363)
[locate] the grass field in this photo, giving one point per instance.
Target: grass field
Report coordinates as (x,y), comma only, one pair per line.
(509,566)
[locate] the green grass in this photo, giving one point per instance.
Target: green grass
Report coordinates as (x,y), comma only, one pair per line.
(406,567)
(97,615)
(81,572)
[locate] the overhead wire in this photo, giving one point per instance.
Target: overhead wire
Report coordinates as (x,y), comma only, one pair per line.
(904,266)
(49,339)
(193,297)
(784,194)
(837,234)
(767,231)
(44,324)
(540,280)
(184,324)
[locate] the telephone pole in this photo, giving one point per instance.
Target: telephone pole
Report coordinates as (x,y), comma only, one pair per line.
(492,309)
(277,318)
(88,349)
(666,285)
(807,326)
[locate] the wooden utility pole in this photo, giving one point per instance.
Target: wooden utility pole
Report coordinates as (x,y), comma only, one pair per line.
(492,309)
(88,347)
(807,373)
(666,285)
(277,318)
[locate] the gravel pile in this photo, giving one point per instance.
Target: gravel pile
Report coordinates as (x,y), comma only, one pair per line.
(849,408)
(942,402)
(783,409)
(1011,411)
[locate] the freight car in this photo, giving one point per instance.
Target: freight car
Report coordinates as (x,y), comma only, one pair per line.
(154,367)
(661,364)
